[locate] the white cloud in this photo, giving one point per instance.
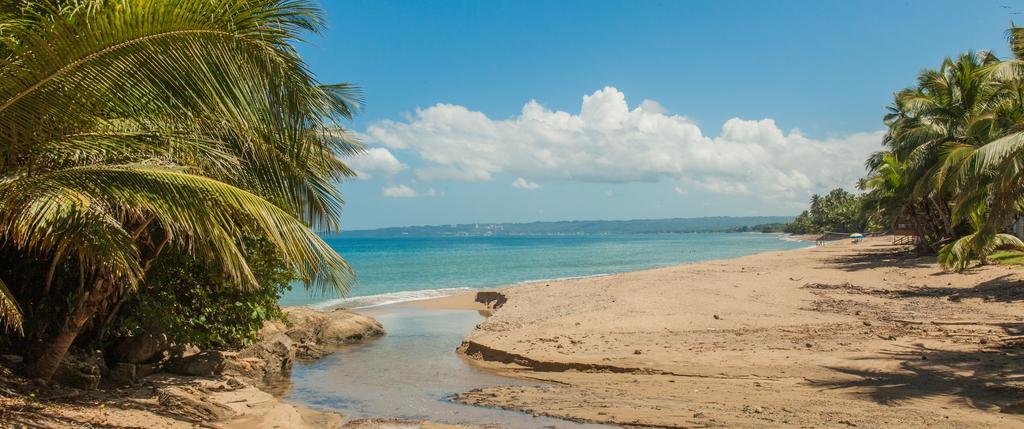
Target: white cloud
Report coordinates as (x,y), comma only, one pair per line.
(608,142)
(521,183)
(374,161)
(403,191)
(399,191)
(430,174)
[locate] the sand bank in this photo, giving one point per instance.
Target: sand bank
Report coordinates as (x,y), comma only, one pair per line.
(844,335)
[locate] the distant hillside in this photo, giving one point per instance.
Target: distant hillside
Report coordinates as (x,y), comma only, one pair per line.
(585,227)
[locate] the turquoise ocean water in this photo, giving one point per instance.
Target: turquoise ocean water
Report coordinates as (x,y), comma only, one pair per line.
(396,269)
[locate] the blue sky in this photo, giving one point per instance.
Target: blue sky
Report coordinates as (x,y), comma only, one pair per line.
(476,113)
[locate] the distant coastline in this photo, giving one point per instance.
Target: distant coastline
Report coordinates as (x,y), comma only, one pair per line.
(585,227)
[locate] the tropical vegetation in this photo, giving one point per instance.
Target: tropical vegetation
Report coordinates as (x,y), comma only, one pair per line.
(952,167)
(142,138)
(837,211)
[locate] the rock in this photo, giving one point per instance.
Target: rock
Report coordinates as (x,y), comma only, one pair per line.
(302,336)
(129,374)
(80,371)
(123,374)
(142,348)
(344,327)
(310,351)
(188,403)
(271,328)
(327,328)
(266,360)
(204,364)
(305,324)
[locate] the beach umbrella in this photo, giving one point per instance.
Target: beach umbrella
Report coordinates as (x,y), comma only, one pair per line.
(856,235)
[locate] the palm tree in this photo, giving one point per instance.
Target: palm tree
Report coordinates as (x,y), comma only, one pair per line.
(888,191)
(933,128)
(133,125)
(988,176)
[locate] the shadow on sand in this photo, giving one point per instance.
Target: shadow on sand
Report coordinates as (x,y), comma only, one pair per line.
(1004,288)
(873,256)
(990,379)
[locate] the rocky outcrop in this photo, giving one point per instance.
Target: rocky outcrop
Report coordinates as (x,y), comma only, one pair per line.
(144,348)
(127,374)
(80,370)
(343,327)
(209,363)
(307,334)
(306,325)
(267,360)
(191,403)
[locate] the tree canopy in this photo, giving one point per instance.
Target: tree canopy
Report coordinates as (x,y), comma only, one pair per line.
(134,126)
(952,160)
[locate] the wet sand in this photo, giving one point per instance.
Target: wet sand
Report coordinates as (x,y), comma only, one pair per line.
(840,336)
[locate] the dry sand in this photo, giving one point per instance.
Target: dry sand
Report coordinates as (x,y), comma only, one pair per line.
(838,336)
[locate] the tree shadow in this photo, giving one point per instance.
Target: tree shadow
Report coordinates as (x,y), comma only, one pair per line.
(984,379)
(881,256)
(1005,288)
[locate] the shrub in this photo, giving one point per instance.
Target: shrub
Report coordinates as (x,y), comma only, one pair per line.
(191,301)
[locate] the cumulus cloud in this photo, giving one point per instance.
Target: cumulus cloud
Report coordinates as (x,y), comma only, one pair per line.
(398,191)
(374,161)
(521,183)
(609,142)
(403,191)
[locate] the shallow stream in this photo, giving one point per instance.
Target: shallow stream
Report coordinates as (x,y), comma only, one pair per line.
(410,373)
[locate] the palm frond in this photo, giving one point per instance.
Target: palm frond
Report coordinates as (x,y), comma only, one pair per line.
(195,210)
(10,314)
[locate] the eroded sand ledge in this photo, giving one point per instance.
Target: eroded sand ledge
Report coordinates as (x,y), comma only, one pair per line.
(840,336)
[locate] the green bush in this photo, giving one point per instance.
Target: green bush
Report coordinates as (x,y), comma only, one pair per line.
(190,300)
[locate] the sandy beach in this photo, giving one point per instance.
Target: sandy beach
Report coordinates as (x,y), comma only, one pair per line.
(846,335)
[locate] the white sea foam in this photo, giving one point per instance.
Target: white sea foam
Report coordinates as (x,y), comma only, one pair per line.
(557,279)
(389,298)
(417,295)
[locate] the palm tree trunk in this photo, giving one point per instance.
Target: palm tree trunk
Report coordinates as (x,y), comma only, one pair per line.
(83,309)
(940,207)
(104,327)
(922,223)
